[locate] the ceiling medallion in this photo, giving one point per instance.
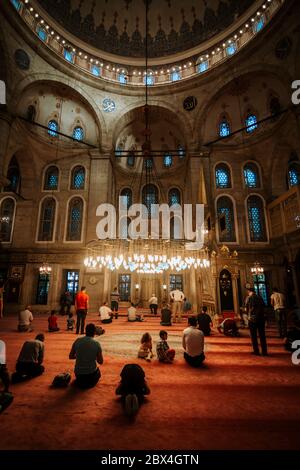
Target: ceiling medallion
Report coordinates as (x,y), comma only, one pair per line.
(108,105)
(190,103)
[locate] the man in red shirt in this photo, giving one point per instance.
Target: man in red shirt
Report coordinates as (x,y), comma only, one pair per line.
(81,305)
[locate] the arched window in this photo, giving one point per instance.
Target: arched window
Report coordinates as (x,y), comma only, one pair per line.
(175,229)
(225,213)
(231,49)
(124,227)
(149,163)
(47,219)
(69,56)
(224,128)
(78,133)
(203,66)
(42,34)
(127,193)
(259,24)
(31,112)
(122,77)
(96,70)
(118,152)
(53,128)
(251,176)
(7,213)
(149,197)
(251,123)
(223,178)
(175,75)
(256,219)
(78,177)
(294,174)
(131,160)
(16,4)
(148,80)
(168,160)
(13,175)
(51,179)
(174,196)
(75,216)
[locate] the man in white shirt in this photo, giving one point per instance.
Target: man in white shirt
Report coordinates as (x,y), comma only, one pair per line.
(193,344)
(153,304)
(105,313)
(133,315)
(278,304)
(25,319)
(177,298)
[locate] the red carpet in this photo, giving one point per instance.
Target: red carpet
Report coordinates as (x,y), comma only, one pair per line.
(238,401)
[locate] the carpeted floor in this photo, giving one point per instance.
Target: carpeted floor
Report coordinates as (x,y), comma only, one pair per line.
(237,401)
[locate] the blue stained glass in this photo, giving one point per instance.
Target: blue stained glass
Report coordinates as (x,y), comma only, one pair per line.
(168,160)
(224,128)
(75,220)
(131,160)
(149,80)
(78,133)
(256,219)
(150,197)
(149,163)
(122,78)
(203,66)
(259,24)
(250,176)
(174,196)
(127,193)
(42,34)
(294,175)
(222,178)
(16,4)
(53,128)
(175,76)
(118,152)
(69,56)
(225,208)
(181,151)
(78,178)
(251,123)
(231,49)
(96,71)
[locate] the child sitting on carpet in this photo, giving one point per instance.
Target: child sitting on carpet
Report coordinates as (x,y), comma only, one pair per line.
(70,322)
(145,351)
(164,353)
(52,322)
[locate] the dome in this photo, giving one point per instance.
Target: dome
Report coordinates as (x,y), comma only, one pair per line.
(118,26)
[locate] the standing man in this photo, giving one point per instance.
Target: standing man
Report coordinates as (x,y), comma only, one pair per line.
(256,315)
(153,304)
(278,304)
(114,301)
(81,305)
(193,344)
(177,298)
(87,352)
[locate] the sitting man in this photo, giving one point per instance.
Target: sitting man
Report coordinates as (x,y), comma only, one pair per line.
(229,328)
(193,344)
(204,321)
(25,319)
(164,353)
(105,313)
(29,363)
(132,388)
(87,352)
(166,315)
(133,315)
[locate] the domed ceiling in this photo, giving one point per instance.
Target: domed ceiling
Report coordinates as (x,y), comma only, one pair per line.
(118,26)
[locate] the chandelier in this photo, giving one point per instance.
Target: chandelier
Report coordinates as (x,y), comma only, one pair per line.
(257,269)
(45,268)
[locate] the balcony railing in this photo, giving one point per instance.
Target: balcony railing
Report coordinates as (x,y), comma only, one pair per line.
(284,213)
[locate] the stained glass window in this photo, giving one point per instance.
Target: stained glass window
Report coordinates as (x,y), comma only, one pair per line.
(47,218)
(118,151)
(224,128)
(231,49)
(256,218)
(251,175)
(150,196)
(260,286)
(124,287)
(127,193)
(203,66)
(68,55)
(78,133)
(78,178)
(75,219)
(175,76)
(53,128)
(174,196)
(148,80)
(259,24)
(13,175)
(42,34)
(51,179)
(176,282)
(149,163)
(168,160)
(294,174)
(251,123)
(16,4)
(42,289)
(72,282)
(7,211)
(122,78)
(96,70)
(223,179)
(131,160)
(226,219)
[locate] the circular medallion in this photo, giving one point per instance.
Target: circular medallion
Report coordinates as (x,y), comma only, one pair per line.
(22,59)
(190,103)
(108,105)
(93,280)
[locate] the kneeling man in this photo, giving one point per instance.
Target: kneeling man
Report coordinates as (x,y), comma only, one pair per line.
(193,344)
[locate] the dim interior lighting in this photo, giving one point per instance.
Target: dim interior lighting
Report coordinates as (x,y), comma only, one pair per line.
(45,268)
(164,286)
(257,268)
(137,286)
